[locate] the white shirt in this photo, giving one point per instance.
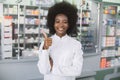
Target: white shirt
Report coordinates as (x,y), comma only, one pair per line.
(67,59)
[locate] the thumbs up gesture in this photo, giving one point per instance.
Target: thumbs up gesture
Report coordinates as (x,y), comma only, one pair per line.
(47,41)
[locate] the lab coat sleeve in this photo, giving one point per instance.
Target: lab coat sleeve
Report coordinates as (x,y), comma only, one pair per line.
(43,63)
(73,70)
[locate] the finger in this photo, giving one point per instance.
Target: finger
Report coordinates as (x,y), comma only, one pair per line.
(49,42)
(46,42)
(50,39)
(44,34)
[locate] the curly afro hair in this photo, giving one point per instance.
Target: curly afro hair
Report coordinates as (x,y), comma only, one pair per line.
(63,8)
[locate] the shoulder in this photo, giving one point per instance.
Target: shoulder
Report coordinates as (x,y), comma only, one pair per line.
(74,41)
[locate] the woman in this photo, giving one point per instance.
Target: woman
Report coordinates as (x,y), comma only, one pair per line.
(60,56)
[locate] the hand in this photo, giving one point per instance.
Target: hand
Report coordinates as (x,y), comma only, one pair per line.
(47,41)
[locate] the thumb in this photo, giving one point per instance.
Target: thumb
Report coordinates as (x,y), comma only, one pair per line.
(44,34)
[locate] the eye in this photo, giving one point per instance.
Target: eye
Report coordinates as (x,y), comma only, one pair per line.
(57,21)
(65,22)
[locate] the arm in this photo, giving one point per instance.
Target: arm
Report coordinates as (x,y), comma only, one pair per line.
(43,63)
(73,70)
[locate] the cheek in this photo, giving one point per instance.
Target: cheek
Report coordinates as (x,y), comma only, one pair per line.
(54,25)
(67,27)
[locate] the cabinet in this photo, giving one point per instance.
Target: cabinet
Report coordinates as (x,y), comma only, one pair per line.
(88,22)
(43,16)
(29,25)
(110,45)
(31,28)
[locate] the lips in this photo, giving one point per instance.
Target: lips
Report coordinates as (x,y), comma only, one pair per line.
(60,29)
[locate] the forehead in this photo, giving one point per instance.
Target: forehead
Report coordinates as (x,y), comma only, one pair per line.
(61,16)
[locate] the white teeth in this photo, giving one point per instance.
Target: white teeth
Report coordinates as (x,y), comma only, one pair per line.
(60,29)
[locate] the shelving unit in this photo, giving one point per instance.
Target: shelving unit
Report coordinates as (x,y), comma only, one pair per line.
(29,27)
(88,27)
(43,15)
(26,31)
(110,55)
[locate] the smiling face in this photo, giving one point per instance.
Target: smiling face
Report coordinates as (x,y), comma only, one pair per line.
(61,25)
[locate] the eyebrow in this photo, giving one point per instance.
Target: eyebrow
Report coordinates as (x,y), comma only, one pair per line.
(63,20)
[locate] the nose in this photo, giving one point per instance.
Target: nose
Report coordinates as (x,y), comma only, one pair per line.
(61,24)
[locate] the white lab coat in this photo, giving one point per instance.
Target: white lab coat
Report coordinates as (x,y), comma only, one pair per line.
(67,59)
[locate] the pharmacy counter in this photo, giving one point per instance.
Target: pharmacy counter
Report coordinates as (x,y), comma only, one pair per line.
(22,69)
(26,69)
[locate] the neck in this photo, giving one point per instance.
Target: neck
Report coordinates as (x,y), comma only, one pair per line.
(60,35)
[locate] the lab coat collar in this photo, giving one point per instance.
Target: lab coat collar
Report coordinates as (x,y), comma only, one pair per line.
(63,37)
